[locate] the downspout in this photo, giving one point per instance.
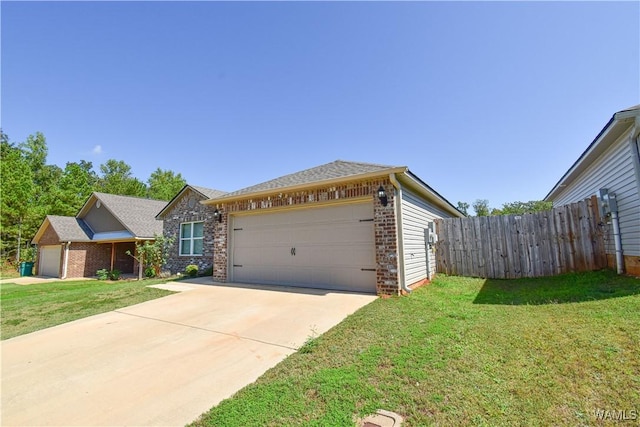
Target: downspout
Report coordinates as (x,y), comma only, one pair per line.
(397,205)
(65,262)
(617,239)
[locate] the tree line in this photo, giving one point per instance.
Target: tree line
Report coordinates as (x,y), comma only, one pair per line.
(31,188)
(481,207)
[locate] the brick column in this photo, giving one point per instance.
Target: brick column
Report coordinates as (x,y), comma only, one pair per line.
(384,223)
(220,238)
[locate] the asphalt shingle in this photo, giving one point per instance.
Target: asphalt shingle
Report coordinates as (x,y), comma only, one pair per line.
(70,229)
(136,214)
(333,170)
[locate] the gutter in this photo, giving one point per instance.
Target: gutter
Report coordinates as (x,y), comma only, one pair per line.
(397,205)
(65,263)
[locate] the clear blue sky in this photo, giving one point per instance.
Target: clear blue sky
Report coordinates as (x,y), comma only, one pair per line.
(481,100)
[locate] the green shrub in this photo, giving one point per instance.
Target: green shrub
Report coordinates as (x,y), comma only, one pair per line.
(191,270)
(207,272)
(150,272)
(115,274)
(103,274)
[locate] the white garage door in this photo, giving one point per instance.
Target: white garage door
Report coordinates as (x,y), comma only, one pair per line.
(49,264)
(327,248)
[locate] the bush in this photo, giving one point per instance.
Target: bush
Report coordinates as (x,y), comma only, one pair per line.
(150,272)
(191,270)
(207,272)
(103,274)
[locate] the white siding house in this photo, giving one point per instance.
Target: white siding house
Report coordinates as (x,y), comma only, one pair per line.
(612,161)
(417,223)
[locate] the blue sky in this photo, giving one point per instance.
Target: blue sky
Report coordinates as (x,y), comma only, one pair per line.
(486,100)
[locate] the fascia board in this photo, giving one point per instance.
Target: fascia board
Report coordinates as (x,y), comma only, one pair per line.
(305,186)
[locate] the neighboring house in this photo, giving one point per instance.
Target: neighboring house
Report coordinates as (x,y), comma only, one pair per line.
(611,161)
(343,225)
(98,237)
(190,224)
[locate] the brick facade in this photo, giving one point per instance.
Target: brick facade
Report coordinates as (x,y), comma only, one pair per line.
(86,258)
(189,209)
(384,223)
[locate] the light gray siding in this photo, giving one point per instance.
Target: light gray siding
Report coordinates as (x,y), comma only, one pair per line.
(416,215)
(616,170)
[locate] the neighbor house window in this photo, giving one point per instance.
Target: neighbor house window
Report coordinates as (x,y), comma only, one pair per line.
(191,236)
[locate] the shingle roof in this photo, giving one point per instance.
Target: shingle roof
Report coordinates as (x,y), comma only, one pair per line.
(70,229)
(334,170)
(208,192)
(136,214)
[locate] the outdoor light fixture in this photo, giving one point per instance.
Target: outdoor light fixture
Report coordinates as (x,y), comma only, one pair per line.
(217,215)
(382,195)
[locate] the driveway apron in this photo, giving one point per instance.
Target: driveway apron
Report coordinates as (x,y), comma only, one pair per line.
(162,362)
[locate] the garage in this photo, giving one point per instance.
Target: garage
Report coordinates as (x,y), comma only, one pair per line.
(329,247)
(49,264)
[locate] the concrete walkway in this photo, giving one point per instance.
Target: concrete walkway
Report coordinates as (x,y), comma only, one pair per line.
(162,362)
(31,280)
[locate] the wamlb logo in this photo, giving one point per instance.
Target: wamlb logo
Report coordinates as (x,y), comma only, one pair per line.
(616,415)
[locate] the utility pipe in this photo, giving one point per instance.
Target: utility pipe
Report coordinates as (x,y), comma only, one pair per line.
(397,204)
(617,239)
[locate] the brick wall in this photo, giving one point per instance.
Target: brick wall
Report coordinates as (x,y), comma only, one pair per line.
(384,223)
(85,258)
(189,209)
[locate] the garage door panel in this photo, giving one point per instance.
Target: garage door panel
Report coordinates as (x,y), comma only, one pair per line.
(49,263)
(324,247)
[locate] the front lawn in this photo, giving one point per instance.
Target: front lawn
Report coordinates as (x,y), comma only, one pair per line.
(464,351)
(28,308)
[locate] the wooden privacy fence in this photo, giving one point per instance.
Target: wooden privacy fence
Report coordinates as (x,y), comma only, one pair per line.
(566,238)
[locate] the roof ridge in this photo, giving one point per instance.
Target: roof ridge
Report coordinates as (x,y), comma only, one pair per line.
(128,197)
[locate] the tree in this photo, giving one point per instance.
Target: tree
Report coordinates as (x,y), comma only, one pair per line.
(75,186)
(117,179)
(521,208)
(164,184)
(481,207)
(18,192)
(464,208)
(152,255)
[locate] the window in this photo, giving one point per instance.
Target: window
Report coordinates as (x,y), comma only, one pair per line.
(191,237)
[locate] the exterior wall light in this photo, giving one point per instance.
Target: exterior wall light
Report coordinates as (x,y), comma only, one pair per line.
(382,195)
(217,215)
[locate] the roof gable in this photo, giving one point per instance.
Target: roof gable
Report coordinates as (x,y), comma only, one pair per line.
(334,171)
(135,214)
(619,123)
(67,228)
(203,192)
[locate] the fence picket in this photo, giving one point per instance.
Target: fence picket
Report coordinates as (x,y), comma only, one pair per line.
(566,238)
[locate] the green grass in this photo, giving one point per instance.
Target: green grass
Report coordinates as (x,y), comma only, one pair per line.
(463,351)
(28,308)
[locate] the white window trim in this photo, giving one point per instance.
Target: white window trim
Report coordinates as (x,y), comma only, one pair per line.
(190,239)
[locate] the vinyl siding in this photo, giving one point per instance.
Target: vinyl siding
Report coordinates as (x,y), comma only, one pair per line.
(416,215)
(615,170)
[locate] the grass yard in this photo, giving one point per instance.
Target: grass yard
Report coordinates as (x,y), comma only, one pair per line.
(464,351)
(28,308)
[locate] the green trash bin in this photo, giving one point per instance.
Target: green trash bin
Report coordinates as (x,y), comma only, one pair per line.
(26,268)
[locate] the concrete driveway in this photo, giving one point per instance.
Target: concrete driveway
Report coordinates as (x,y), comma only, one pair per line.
(162,362)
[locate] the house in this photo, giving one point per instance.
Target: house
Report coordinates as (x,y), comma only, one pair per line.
(190,224)
(343,225)
(611,162)
(98,237)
